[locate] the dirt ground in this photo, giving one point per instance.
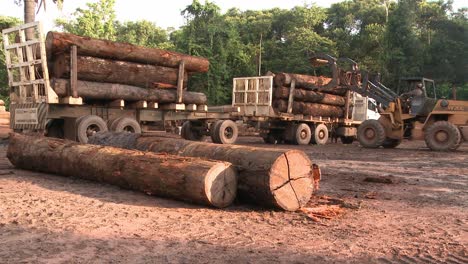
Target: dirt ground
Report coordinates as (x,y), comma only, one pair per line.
(419,215)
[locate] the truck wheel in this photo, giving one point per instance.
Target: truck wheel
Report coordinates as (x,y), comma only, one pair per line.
(89,125)
(442,136)
(302,134)
(347,140)
(227,132)
(190,133)
(391,143)
(371,134)
(214,133)
(54,128)
(125,124)
(320,136)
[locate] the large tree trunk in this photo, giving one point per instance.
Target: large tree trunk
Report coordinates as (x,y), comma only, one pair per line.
(112,91)
(309,96)
(302,81)
(29,16)
(312,109)
(269,177)
(111,71)
(188,179)
(61,42)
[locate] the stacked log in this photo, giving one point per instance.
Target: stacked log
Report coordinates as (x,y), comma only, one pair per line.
(268,177)
(114,91)
(112,71)
(194,180)
(312,95)
(103,61)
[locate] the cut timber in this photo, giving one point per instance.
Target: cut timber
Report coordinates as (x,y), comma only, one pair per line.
(188,179)
(303,81)
(269,177)
(312,109)
(61,42)
(113,91)
(112,71)
(309,96)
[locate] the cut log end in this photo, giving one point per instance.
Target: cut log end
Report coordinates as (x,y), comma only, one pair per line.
(290,180)
(221,185)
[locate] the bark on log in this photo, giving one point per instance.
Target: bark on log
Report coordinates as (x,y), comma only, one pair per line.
(268,177)
(111,71)
(309,96)
(112,91)
(311,109)
(189,179)
(61,42)
(303,81)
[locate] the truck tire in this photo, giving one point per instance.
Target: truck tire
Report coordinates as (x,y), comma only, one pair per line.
(442,136)
(54,128)
(88,126)
(125,124)
(302,134)
(321,134)
(214,133)
(391,143)
(189,133)
(371,134)
(347,140)
(227,132)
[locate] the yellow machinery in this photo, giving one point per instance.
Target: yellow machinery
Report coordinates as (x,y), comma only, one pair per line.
(442,123)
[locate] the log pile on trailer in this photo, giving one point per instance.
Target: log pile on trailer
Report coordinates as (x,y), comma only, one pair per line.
(93,68)
(308,95)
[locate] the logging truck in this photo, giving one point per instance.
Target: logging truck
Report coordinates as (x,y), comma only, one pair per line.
(253,96)
(94,86)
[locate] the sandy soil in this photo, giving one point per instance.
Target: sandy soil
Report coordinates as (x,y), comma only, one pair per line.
(420,216)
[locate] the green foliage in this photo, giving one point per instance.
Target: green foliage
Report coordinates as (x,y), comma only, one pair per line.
(396,38)
(5,22)
(96,21)
(143,33)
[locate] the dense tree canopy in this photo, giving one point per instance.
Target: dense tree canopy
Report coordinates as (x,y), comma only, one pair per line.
(404,38)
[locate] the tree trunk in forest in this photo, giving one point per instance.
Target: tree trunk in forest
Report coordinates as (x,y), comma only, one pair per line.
(188,179)
(112,91)
(268,177)
(309,96)
(312,109)
(61,42)
(111,71)
(29,16)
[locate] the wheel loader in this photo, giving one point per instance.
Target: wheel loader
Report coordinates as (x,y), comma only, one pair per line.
(441,123)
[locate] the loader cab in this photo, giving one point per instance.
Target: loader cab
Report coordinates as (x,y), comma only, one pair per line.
(410,83)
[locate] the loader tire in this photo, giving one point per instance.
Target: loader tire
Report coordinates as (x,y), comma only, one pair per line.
(371,134)
(443,136)
(391,143)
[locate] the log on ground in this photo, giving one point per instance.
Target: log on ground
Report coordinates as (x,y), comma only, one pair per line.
(113,91)
(311,109)
(57,43)
(112,71)
(189,179)
(268,177)
(309,96)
